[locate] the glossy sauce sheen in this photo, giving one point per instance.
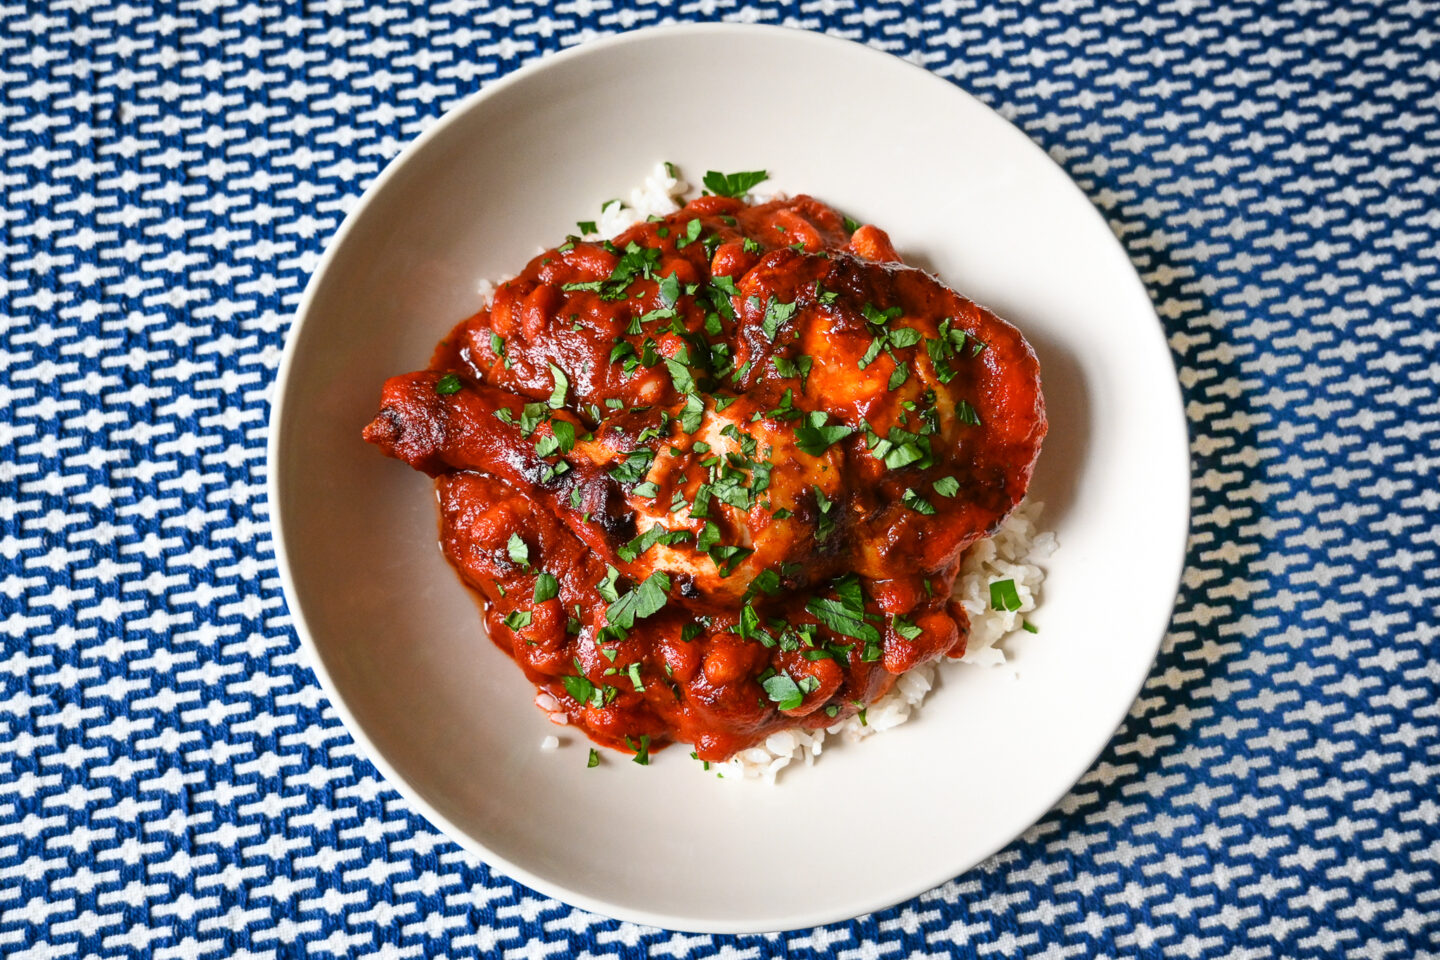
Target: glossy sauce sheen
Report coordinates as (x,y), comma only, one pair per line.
(864,424)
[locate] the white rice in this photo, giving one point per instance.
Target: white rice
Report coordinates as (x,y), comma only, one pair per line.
(1011,554)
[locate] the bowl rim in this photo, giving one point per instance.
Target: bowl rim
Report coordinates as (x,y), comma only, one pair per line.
(277,422)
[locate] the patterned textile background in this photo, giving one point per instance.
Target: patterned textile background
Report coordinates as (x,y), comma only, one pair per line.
(172,781)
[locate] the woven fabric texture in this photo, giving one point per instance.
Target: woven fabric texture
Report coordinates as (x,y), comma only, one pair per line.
(174,784)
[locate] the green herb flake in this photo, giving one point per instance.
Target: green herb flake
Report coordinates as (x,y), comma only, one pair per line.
(594,760)
(518,619)
(518,549)
(642,752)
(905,628)
(777,314)
(546,587)
(783,692)
(644,601)
(733,184)
(448,384)
(814,437)
(1004,596)
(562,386)
(917,503)
(947,486)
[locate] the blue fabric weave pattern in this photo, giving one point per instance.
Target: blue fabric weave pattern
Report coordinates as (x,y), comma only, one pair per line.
(172,782)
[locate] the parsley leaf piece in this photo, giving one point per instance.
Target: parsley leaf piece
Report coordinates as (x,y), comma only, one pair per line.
(644,601)
(546,587)
(681,376)
(448,384)
(966,414)
(876,346)
(562,386)
(947,486)
(845,616)
(777,314)
(733,184)
(692,233)
(579,688)
(642,752)
(1004,596)
(564,434)
(905,628)
(518,619)
(916,502)
(634,467)
(656,534)
(904,337)
(814,437)
(692,414)
(783,692)
(727,558)
(594,760)
(880,317)
(606,587)
(586,227)
(670,288)
(898,377)
(851,225)
(519,550)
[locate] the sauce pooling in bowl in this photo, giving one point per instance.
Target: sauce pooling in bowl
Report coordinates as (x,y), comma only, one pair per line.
(713,479)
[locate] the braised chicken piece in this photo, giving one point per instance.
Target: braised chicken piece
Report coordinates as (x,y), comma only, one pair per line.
(714,478)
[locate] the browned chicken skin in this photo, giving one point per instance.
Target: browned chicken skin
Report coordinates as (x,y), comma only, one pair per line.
(714,479)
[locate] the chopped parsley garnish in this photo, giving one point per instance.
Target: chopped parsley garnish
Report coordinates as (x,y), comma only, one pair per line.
(905,628)
(562,386)
(880,317)
(966,414)
(634,466)
(635,261)
(783,692)
(947,486)
(670,287)
(519,550)
(814,437)
(905,337)
(586,227)
(916,502)
(642,752)
(692,233)
(656,534)
(1004,596)
(826,524)
(518,619)
(1029,627)
(692,414)
(851,225)
(644,601)
(546,587)
(448,384)
(594,760)
(727,558)
(777,314)
(846,615)
(799,367)
(734,184)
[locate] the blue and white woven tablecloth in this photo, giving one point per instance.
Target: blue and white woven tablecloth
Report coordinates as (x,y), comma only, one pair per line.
(174,784)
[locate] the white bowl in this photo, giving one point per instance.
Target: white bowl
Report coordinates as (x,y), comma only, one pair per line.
(449,720)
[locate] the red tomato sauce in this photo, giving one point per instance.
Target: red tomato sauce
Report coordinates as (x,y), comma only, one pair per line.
(714,479)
